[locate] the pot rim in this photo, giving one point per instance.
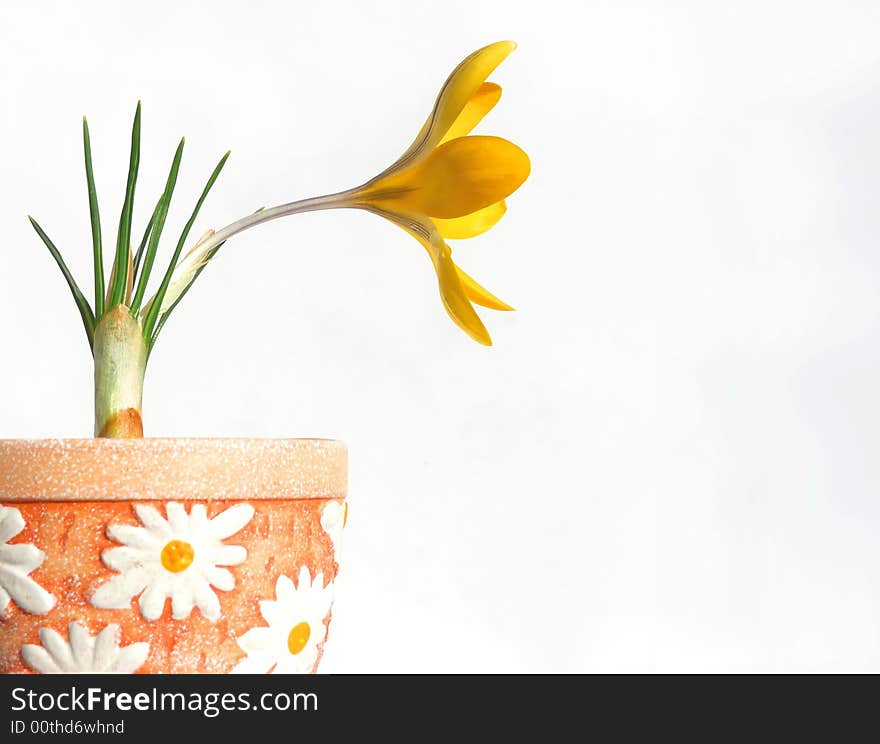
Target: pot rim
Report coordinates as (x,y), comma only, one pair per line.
(172,468)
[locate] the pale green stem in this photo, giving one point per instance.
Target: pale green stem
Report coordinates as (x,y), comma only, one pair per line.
(120,361)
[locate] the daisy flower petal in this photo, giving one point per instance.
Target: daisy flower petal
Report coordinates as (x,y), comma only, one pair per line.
(206,600)
(22,556)
(293,665)
(284,587)
(28,595)
(58,648)
(272,612)
(153,521)
(116,594)
(182,603)
(133,537)
(38,659)
(231,520)
(152,601)
(130,658)
(81,645)
(123,558)
(229,555)
(177,517)
(220,578)
(83,654)
(11,523)
(258,639)
(105,645)
(16,562)
(256,664)
(198,518)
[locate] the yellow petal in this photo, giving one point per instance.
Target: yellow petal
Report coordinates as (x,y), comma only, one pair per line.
(460,177)
(478,294)
(458,89)
(480,104)
(456,301)
(452,291)
(472,224)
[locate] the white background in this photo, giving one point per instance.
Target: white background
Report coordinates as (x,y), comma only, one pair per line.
(667,462)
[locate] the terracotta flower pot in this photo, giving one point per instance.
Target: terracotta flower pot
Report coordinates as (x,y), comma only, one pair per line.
(168,555)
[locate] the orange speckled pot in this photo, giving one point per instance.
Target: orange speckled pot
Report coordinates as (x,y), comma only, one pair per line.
(168,555)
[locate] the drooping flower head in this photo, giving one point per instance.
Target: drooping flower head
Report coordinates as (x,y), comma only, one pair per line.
(448,185)
(452,185)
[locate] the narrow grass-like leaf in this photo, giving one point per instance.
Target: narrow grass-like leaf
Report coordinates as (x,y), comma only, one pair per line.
(156,232)
(143,244)
(95,217)
(153,313)
(85,310)
(123,239)
(164,317)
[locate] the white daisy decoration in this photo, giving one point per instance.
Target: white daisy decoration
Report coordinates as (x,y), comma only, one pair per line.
(333,518)
(180,557)
(82,653)
(296,628)
(16,562)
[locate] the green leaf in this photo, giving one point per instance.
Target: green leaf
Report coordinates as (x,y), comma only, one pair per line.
(164,317)
(123,239)
(95,217)
(153,313)
(143,244)
(158,225)
(82,303)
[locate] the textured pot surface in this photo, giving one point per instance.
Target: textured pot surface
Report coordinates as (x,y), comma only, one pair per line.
(164,555)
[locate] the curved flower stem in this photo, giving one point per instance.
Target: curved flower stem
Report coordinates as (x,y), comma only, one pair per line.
(122,351)
(339,200)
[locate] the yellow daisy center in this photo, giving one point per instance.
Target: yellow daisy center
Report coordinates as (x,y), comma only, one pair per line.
(298,638)
(177,556)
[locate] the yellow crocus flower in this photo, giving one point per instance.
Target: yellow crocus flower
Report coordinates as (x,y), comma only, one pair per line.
(452,185)
(449,184)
